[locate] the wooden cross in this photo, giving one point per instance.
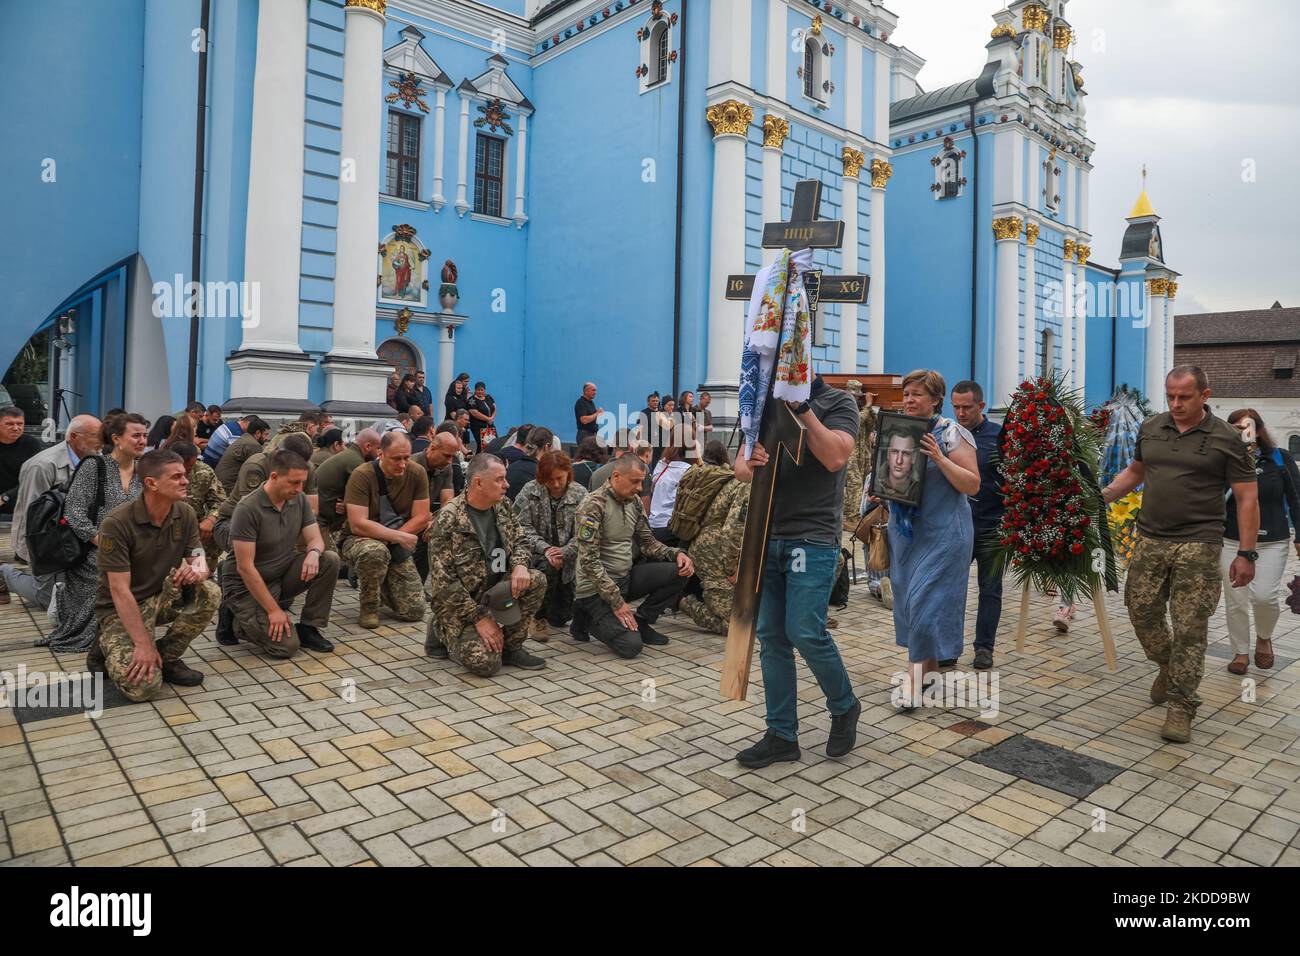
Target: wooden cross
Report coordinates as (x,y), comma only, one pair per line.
(781,434)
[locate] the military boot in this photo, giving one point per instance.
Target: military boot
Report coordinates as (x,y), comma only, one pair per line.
(1178,725)
(433,645)
(95,662)
(369,605)
(181,674)
(1160,687)
(518,657)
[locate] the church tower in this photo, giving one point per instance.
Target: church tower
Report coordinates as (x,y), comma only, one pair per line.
(1147,286)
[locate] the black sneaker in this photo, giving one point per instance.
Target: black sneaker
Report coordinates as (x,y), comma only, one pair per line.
(518,657)
(983,658)
(951,662)
(312,639)
(771,749)
(844,731)
(648,634)
(226,627)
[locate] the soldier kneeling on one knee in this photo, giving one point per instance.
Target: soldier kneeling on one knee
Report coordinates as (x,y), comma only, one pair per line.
(267,571)
(152,572)
(480,562)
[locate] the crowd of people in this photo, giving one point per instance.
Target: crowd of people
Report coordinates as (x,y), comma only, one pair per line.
(492,537)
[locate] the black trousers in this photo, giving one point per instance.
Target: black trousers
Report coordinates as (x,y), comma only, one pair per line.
(656,581)
(990,586)
(421,559)
(558,606)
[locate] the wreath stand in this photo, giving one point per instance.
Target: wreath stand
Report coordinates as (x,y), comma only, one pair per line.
(1103,624)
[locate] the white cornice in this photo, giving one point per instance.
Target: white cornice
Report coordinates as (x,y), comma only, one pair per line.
(565,18)
(469,16)
(768,104)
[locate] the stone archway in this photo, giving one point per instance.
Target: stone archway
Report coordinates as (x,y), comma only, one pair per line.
(402,355)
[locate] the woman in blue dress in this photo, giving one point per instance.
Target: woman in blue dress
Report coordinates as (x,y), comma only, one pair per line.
(930,547)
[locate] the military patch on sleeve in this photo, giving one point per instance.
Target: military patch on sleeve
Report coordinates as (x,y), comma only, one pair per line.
(587,527)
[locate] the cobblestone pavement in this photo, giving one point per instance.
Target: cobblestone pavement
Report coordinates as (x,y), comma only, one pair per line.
(377,755)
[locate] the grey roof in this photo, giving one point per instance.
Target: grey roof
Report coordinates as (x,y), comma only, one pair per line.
(945,98)
(1253,326)
(1137,241)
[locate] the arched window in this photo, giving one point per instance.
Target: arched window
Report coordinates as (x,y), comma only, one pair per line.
(948,171)
(1047,352)
(811,88)
(658,54)
(1293,446)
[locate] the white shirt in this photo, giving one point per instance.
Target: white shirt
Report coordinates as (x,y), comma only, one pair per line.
(667,476)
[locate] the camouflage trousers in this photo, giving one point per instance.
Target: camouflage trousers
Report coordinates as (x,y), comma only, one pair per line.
(186,623)
(378,578)
(712,611)
(1182,576)
(212,554)
(468,649)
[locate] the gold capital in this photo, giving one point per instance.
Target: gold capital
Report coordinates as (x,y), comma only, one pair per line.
(1157,287)
(1003,30)
(1082,253)
(1070,246)
(1031,232)
(1062,37)
(1007,227)
(854,160)
(375,5)
(1035,18)
(1173,289)
(775,130)
(729,118)
(880,173)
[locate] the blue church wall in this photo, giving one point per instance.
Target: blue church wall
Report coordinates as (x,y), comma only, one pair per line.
(697,203)
(1101,296)
(1131,329)
(231,57)
(600,260)
(868,93)
(87,121)
(759,26)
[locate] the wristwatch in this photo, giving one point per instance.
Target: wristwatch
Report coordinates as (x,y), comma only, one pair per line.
(803,408)
(1251,556)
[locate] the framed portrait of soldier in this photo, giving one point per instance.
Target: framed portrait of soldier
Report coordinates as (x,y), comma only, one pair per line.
(898,473)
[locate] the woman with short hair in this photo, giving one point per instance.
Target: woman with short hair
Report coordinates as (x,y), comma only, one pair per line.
(930,546)
(547,507)
(1279,513)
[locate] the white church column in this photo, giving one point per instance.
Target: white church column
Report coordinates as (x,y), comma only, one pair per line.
(1029,343)
(521,158)
(1081,316)
(439,142)
(1006,359)
(730,120)
(880,173)
(269,372)
(462,166)
(854,160)
(775,130)
(1169,325)
(1067,313)
(1157,303)
(354,375)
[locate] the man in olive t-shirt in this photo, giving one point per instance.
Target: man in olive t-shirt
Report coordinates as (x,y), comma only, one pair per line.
(252,475)
(152,571)
(266,531)
(1187,459)
(381,532)
(238,452)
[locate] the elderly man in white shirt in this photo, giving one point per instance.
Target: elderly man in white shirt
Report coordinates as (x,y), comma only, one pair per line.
(39,474)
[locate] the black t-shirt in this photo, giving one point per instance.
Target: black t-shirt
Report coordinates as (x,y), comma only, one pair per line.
(808,502)
(12,457)
(456,403)
(486,406)
(204,430)
(584,406)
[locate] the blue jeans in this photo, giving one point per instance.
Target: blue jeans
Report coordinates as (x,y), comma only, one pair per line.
(797,581)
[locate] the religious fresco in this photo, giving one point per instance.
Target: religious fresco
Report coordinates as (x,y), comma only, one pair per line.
(402,278)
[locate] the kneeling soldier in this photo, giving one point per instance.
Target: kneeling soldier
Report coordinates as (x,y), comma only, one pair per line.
(609,521)
(387,510)
(476,541)
(151,572)
(264,531)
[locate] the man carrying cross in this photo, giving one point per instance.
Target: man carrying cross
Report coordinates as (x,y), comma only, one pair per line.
(796,512)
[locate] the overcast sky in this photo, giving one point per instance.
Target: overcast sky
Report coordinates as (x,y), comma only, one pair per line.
(1192,88)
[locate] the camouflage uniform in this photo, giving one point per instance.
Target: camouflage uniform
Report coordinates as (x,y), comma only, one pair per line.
(187,622)
(205,497)
(1190,570)
(288,428)
(859,465)
(397,584)
(715,552)
(458,572)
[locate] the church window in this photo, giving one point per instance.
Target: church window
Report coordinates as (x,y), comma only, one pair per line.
(659,53)
(948,178)
(1047,352)
(403,172)
(489,175)
(810,69)
(1293,446)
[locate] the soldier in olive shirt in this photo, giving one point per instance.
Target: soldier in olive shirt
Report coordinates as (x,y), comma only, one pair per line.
(332,481)
(1187,459)
(610,522)
(252,475)
(268,525)
(151,572)
(239,451)
(437,461)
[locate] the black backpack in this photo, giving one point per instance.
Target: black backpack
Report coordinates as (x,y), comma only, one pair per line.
(840,590)
(52,545)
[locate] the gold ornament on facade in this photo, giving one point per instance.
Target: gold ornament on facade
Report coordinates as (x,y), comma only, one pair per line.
(854,160)
(880,173)
(1008,227)
(375,5)
(1003,30)
(1157,287)
(1173,289)
(729,118)
(1082,253)
(1035,18)
(775,130)
(816,28)
(1031,232)
(1070,246)
(403,321)
(1062,37)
